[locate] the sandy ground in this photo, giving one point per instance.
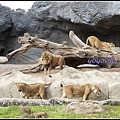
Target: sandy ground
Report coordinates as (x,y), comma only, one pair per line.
(7,68)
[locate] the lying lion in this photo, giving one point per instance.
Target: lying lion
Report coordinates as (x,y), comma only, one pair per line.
(50,61)
(96,43)
(84,91)
(30,90)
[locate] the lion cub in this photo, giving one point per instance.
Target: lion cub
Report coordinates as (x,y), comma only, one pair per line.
(50,61)
(79,91)
(30,90)
(96,43)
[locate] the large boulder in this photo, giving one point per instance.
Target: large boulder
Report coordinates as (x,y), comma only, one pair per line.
(54,20)
(108,83)
(86,107)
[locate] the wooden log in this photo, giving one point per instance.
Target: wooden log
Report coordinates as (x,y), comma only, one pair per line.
(77,41)
(74,56)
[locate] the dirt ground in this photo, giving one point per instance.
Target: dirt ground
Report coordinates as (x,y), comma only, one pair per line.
(8,68)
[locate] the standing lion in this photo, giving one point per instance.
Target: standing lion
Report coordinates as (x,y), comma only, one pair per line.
(50,61)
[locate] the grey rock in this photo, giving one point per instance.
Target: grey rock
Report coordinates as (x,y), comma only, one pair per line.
(86,107)
(20,101)
(17,101)
(53,21)
(113,102)
(3,59)
(20,10)
(71,76)
(107,82)
(5,19)
(5,102)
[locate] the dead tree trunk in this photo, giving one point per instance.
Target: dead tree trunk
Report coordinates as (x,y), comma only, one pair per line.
(74,56)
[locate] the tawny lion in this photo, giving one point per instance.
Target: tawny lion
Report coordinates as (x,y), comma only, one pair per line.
(50,61)
(84,91)
(30,90)
(96,43)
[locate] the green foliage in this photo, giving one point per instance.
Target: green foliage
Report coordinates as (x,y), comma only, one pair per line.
(13,10)
(10,112)
(57,111)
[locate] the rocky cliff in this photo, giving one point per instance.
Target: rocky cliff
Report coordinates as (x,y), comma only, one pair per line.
(53,21)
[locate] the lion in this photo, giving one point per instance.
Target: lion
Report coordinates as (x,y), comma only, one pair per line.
(98,44)
(30,90)
(50,61)
(84,91)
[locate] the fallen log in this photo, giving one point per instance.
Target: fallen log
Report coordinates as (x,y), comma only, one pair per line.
(74,55)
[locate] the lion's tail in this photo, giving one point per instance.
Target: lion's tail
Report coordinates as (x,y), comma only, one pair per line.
(87,40)
(61,87)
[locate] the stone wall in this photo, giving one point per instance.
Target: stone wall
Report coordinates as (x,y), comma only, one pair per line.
(108,82)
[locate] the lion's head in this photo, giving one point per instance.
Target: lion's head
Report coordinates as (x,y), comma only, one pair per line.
(111,44)
(20,86)
(46,57)
(97,90)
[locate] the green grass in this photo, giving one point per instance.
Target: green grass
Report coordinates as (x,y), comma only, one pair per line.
(57,112)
